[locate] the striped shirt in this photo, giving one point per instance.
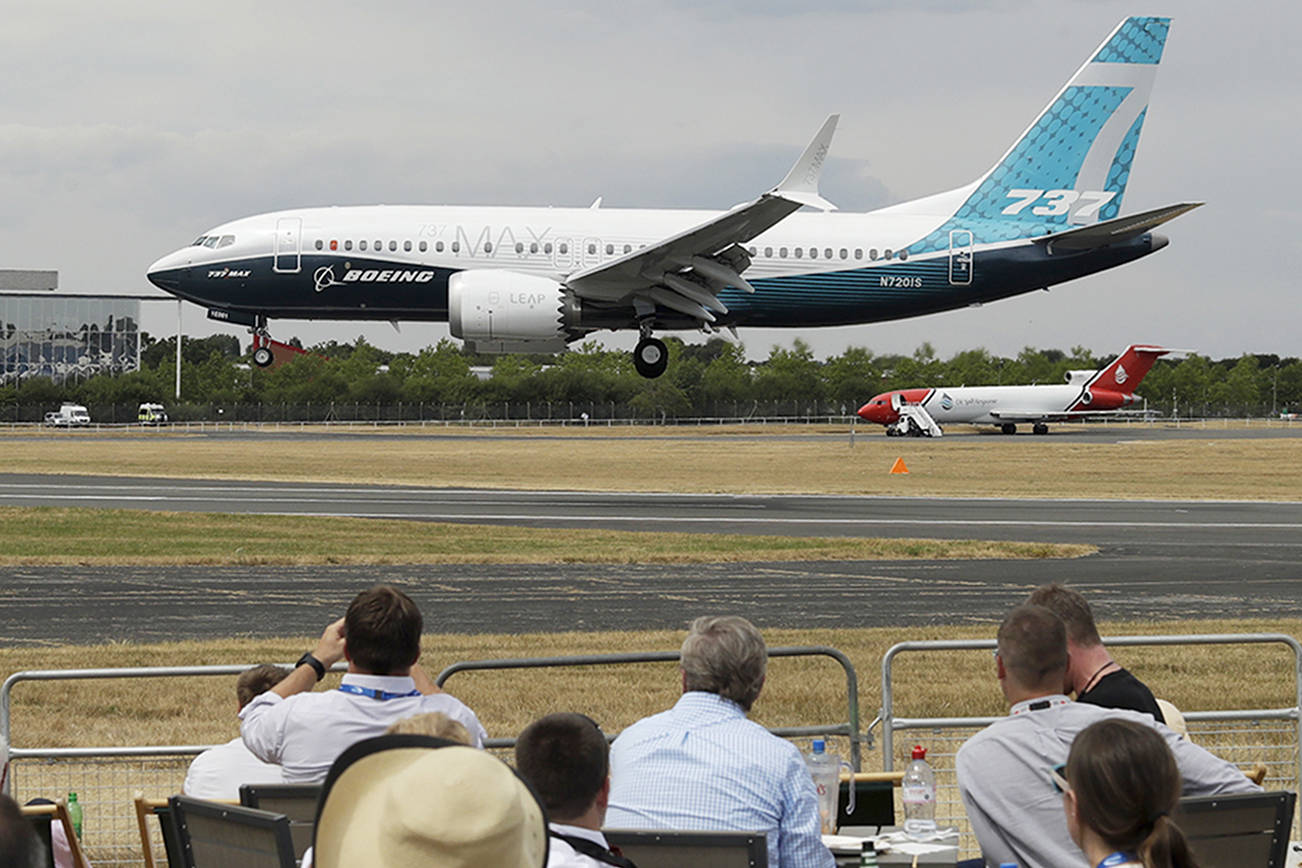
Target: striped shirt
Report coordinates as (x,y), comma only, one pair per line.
(703,765)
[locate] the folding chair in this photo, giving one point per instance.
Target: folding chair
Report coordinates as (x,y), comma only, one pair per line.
(1247,830)
(160,809)
(42,816)
(296,801)
(213,835)
(671,849)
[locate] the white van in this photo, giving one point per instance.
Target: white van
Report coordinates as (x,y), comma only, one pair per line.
(152,414)
(68,416)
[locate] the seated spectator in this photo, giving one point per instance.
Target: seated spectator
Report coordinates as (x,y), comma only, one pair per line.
(19,846)
(566,759)
(60,849)
(217,773)
(434,723)
(1003,771)
(1119,788)
(1092,674)
(411,800)
(380,637)
(703,765)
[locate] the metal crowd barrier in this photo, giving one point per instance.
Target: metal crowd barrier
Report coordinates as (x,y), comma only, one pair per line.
(848,730)
(1244,736)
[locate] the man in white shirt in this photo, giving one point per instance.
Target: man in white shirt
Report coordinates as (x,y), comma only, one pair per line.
(305,731)
(566,759)
(218,772)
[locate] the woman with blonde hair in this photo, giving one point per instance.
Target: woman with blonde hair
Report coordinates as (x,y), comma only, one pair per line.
(1120,785)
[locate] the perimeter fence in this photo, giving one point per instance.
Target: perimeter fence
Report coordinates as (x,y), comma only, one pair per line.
(106,779)
(1245,737)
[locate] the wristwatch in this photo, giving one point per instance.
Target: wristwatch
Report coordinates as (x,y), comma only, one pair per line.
(316,664)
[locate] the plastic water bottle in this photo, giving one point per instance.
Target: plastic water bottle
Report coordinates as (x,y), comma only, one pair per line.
(918,790)
(825,769)
(74,814)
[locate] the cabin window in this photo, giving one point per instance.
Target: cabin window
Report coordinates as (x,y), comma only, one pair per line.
(872,253)
(858,253)
(768,252)
(827,254)
(628,248)
(438,246)
(813,253)
(751,250)
(592,248)
(379,245)
(456,246)
(845,254)
(406,246)
(519,247)
(424,245)
(547,248)
(533,246)
(782,252)
(319,244)
(334,245)
(348,244)
(904,254)
(393,245)
(565,248)
(887,254)
(610,250)
(798,251)
(361,245)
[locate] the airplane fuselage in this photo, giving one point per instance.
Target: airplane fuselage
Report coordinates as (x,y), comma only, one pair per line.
(394,263)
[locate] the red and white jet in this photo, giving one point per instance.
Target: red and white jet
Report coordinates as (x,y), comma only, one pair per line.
(919,412)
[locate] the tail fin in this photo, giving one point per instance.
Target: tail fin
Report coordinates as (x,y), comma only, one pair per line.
(1071,166)
(1128,369)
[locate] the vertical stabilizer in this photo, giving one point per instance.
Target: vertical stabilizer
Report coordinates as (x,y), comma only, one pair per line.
(1128,369)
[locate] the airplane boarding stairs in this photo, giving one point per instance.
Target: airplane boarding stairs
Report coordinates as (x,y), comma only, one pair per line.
(914,421)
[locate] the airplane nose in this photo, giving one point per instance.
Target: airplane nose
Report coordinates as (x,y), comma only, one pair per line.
(166,272)
(866,412)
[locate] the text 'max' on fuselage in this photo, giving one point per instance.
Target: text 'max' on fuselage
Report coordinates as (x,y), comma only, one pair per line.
(537,279)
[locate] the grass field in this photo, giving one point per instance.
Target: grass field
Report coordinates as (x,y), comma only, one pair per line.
(1260,469)
(51,535)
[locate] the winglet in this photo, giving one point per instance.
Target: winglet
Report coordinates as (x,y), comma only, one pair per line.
(801,183)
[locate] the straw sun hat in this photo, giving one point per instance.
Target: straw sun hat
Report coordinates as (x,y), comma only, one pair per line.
(408,800)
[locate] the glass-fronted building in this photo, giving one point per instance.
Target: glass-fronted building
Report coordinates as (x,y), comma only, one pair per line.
(63,337)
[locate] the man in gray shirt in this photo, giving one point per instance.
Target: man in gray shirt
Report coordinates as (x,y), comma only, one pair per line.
(1003,771)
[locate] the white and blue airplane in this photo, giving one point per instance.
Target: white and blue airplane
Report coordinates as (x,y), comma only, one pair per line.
(536,279)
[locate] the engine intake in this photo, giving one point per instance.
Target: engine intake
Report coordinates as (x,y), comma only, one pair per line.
(500,311)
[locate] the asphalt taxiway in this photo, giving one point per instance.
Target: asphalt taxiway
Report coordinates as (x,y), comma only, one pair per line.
(1157,559)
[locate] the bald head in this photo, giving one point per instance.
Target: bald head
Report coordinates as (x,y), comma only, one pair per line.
(1033,648)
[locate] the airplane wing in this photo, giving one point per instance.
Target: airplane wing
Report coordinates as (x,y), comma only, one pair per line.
(1117,229)
(685,272)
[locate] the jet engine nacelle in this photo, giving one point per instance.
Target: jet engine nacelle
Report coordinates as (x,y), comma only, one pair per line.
(498,311)
(1079,378)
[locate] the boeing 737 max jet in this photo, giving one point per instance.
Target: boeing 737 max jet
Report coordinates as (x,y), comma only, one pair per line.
(536,279)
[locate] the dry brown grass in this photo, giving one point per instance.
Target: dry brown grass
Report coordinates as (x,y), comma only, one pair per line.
(200,711)
(1261,469)
(55,535)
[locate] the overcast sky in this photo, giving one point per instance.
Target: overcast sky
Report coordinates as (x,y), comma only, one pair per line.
(128,128)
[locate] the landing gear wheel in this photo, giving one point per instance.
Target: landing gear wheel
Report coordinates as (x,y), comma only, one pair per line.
(1008,428)
(263,357)
(1039,428)
(650,357)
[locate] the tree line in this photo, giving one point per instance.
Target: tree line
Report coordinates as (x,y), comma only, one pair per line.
(703,380)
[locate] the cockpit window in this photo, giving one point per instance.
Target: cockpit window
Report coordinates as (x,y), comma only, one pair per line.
(198,242)
(226,241)
(211,241)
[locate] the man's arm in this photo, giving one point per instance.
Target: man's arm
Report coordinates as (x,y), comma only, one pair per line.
(800,838)
(329,651)
(990,838)
(1204,773)
(424,683)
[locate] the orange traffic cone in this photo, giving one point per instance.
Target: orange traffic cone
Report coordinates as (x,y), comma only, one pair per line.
(898,466)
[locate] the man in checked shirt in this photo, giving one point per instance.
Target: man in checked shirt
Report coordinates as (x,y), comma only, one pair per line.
(703,765)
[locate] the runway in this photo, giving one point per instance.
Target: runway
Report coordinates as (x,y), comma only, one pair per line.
(1158,559)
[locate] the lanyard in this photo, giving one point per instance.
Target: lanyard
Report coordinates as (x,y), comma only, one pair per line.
(372,692)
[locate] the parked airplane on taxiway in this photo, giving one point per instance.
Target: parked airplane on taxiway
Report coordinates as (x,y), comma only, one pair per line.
(537,279)
(1086,394)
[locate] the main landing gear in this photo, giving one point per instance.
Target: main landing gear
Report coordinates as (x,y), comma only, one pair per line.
(1039,428)
(262,354)
(650,356)
(1008,428)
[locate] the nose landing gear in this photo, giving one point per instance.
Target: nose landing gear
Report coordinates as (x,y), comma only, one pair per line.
(262,352)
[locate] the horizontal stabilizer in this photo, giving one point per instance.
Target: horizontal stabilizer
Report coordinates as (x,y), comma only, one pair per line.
(1115,230)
